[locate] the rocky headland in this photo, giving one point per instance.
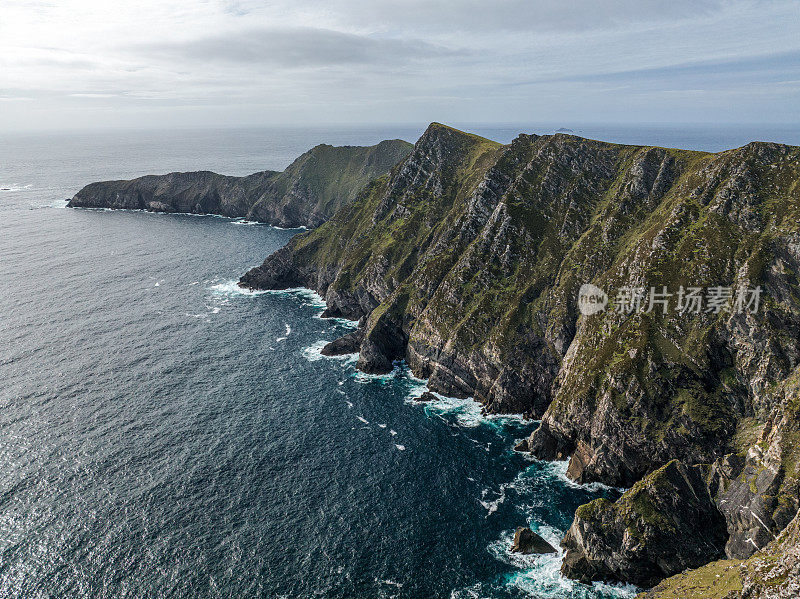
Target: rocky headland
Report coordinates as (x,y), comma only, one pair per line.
(466,260)
(306,194)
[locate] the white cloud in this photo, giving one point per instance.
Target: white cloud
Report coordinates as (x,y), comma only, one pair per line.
(376,60)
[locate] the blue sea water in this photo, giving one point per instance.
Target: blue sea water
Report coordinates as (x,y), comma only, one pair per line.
(163,434)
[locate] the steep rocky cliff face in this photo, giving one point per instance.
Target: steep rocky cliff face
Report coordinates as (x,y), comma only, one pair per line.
(467,258)
(757,489)
(738,504)
(650,533)
(772,573)
(640,388)
(307,193)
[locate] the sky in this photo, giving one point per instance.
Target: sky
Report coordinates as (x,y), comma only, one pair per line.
(187,63)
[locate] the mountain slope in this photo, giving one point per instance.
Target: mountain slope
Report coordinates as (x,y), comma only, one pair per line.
(307,193)
(466,260)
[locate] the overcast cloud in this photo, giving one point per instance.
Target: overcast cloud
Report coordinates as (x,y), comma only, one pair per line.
(76,63)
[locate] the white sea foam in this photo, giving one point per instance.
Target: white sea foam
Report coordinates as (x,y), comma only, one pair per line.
(350,324)
(231,288)
(13,187)
(416,387)
(245,222)
(313,352)
(300,228)
(364,377)
(559,471)
(390,583)
(467,412)
(491,506)
(309,296)
(286,335)
(538,575)
(401,373)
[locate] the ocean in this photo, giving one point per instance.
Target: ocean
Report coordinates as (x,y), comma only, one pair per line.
(164,434)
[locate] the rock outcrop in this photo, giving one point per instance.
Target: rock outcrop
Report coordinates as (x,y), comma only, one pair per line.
(347,344)
(426,396)
(755,492)
(527,542)
(758,488)
(306,194)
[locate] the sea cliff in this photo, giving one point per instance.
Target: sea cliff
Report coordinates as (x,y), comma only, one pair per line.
(466,261)
(306,194)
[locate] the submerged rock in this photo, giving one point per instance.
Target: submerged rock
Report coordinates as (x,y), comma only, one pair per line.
(526,542)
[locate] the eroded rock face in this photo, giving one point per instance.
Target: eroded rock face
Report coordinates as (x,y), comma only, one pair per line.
(747,497)
(666,523)
(758,490)
(344,345)
(772,573)
(306,194)
(755,490)
(473,253)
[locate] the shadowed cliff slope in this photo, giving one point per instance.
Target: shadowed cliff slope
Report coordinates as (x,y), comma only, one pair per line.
(307,193)
(772,573)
